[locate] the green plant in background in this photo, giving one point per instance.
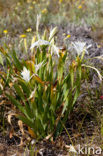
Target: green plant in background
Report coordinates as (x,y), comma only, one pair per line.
(43,91)
(13,22)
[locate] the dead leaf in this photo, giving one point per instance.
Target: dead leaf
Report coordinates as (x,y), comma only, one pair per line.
(10,116)
(11,133)
(31,132)
(20,123)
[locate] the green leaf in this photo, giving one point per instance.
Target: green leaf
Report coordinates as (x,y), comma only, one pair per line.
(19,91)
(80,71)
(25,88)
(76,95)
(16,61)
(72,76)
(1,60)
(27,121)
(29,110)
(16,103)
(21,95)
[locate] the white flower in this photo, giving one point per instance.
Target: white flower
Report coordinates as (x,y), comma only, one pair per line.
(55,50)
(80,47)
(26,74)
(72,149)
(38,66)
(40,42)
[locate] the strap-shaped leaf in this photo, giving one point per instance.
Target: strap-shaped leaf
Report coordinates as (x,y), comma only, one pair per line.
(16,103)
(27,121)
(72,76)
(76,94)
(3,51)
(27,107)
(37,78)
(19,91)
(16,61)
(1,60)
(25,88)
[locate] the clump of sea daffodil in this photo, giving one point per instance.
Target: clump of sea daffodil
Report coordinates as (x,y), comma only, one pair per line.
(45,93)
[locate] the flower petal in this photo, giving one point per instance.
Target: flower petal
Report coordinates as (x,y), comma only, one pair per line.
(25,74)
(38,66)
(39,43)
